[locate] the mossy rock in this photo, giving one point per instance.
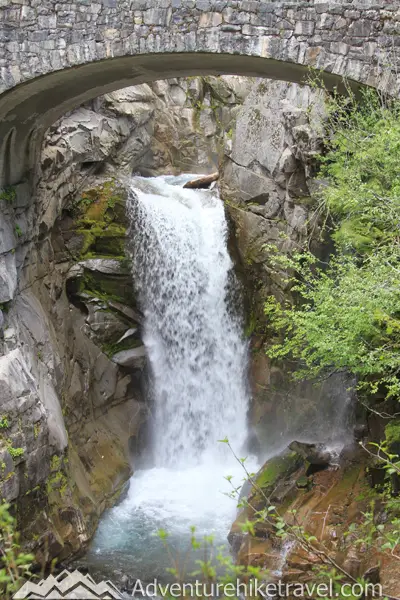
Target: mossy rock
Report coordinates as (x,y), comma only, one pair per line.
(129,343)
(303,482)
(104,203)
(101,239)
(108,287)
(277,469)
(101,221)
(110,242)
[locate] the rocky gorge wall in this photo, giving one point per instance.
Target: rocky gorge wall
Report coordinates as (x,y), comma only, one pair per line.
(269,185)
(72,364)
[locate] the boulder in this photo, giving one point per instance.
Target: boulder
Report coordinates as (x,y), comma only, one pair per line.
(315,454)
(134,358)
(106,266)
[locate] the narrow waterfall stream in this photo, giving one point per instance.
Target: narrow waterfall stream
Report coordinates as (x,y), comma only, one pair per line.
(198,361)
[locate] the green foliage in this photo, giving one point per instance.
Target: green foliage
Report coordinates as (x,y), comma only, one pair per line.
(18,230)
(14,564)
(215,567)
(369,533)
(4,423)
(8,194)
(389,460)
(348,319)
(362,170)
(348,312)
(15,452)
(392,432)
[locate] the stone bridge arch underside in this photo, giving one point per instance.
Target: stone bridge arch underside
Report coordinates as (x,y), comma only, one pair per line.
(57,55)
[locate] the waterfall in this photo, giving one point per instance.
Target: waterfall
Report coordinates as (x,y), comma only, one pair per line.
(197,355)
(197,358)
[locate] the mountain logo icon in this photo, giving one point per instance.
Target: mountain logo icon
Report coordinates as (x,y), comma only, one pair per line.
(71,586)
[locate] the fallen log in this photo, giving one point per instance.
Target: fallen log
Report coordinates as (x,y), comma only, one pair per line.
(202,182)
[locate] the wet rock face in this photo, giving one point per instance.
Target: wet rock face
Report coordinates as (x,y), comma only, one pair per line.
(314,454)
(266,182)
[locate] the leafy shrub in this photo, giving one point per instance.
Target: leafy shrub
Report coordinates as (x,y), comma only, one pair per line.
(14,564)
(348,312)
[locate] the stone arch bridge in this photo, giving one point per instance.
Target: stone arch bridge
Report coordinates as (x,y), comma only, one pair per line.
(57,54)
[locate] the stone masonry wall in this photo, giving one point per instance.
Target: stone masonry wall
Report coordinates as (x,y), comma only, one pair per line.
(347,38)
(118,43)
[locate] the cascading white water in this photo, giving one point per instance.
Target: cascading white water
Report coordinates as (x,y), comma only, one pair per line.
(193,338)
(198,360)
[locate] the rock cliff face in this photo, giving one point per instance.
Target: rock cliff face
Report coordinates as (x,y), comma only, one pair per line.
(72,364)
(268,171)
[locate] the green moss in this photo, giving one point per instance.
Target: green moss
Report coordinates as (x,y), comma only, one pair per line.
(101,220)
(110,241)
(108,287)
(33,490)
(55,462)
(348,479)
(36,430)
(99,203)
(9,475)
(57,482)
(101,239)
(251,325)
(277,468)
